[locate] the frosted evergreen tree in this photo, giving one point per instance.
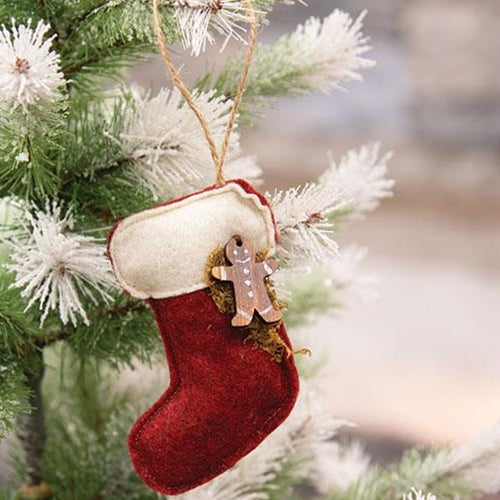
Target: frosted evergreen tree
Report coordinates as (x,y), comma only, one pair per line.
(78,153)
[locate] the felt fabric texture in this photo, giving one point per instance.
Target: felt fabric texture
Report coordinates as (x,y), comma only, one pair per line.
(225,395)
(162,252)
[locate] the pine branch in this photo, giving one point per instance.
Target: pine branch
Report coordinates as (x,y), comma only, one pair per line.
(90,461)
(85,10)
(48,10)
(119,335)
(309,297)
(361,179)
(107,197)
(307,216)
(86,76)
(91,146)
(30,424)
(108,37)
(318,56)
(165,148)
(13,393)
(56,269)
(95,183)
(415,494)
(17,330)
(20,10)
(461,472)
(29,145)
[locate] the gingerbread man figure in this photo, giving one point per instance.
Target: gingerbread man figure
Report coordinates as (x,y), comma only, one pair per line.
(247,277)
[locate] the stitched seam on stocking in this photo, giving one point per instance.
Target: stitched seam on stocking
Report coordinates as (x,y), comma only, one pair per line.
(171,395)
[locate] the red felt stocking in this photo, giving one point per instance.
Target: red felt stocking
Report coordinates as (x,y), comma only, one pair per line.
(225,396)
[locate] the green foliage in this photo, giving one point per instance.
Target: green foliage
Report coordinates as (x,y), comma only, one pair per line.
(310,296)
(8,495)
(13,393)
(273,73)
(88,75)
(111,196)
(29,144)
(18,344)
(95,183)
(121,334)
(17,329)
(419,469)
(20,10)
(88,458)
(18,335)
(341,216)
(91,144)
(270,76)
(283,483)
(106,37)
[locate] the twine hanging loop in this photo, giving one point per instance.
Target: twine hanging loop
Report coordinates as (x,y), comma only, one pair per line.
(218,157)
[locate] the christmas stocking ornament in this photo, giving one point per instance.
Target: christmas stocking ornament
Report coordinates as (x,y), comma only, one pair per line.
(226,395)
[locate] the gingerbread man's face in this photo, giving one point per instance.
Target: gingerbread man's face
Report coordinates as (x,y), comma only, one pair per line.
(238,252)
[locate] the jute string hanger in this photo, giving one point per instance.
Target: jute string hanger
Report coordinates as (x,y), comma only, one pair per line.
(217,156)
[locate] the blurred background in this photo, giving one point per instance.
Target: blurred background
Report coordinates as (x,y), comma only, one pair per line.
(422,363)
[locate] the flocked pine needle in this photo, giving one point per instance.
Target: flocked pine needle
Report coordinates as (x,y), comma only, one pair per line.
(29,68)
(57,268)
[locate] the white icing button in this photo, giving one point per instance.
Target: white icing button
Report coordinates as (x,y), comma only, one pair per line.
(246,270)
(248,282)
(250,294)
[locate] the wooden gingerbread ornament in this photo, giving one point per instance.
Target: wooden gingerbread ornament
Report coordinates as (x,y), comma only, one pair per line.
(248,276)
